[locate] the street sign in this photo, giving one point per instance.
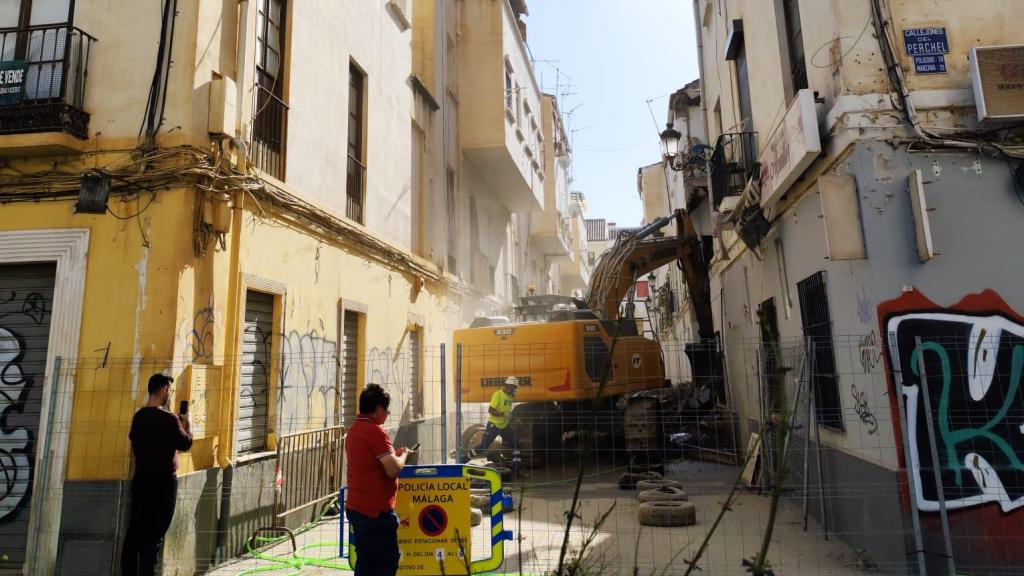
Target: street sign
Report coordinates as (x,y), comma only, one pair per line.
(434,530)
(434,523)
(12,82)
(925,41)
(934,64)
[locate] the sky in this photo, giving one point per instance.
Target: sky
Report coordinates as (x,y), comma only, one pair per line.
(609,58)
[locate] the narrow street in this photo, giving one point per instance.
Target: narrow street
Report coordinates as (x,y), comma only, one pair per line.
(749,268)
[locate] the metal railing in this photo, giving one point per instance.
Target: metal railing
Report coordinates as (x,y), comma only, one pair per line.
(269,132)
(54,62)
(308,469)
(355,186)
(732,164)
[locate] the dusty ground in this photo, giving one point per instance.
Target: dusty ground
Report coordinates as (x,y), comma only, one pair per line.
(623,544)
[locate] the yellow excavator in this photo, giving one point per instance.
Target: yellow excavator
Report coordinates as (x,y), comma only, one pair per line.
(559,348)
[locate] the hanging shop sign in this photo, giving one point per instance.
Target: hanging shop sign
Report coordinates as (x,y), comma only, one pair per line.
(927,47)
(12,82)
(790,150)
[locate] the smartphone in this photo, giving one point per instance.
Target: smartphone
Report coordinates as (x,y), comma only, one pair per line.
(183,407)
(415,448)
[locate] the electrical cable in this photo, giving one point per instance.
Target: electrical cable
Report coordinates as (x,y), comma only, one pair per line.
(143,209)
(167,68)
(154,86)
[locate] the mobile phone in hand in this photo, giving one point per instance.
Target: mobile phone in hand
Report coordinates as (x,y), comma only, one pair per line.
(183,407)
(415,448)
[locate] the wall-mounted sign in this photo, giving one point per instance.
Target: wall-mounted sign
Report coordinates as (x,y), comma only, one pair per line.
(12,81)
(930,64)
(925,41)
(790,150)
(927,47)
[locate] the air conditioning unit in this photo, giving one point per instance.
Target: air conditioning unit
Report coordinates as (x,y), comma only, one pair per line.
(997,74)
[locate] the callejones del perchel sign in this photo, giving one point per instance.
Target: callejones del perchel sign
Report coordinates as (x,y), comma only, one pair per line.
(12,81)
(790,150)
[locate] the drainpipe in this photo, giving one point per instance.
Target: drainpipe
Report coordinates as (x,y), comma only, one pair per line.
(228,398)
(240,75)
(700,64)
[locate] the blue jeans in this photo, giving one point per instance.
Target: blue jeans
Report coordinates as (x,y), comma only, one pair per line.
(376,542)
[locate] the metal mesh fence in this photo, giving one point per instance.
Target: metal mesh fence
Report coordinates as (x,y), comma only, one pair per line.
(833,497)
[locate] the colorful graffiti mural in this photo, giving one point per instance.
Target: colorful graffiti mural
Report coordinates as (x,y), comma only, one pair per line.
(972,355)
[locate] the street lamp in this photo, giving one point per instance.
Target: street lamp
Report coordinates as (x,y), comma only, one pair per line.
(670,138)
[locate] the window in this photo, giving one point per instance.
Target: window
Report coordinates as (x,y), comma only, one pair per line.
(254,382)
(271,113)
(821,360)
(451,67)
(351,352)
(355,187)
(743,87)
(452,221)
(416,199)
(509,88)
(415,375)
(795,45)
(474,238)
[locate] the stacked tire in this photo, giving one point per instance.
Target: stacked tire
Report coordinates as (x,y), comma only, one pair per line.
(664,503)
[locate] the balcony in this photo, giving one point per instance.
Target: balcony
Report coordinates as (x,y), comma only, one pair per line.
(355,189)
(269,133)
(499,111)
(732,164)
(550,233)
(44,69)
(575,270)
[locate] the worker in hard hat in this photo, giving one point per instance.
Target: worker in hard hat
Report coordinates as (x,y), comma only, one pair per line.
(498,412)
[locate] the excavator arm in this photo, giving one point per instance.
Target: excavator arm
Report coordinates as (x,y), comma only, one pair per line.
(643,252)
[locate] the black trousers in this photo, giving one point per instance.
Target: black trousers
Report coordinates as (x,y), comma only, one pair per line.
(376,542)
(152,509)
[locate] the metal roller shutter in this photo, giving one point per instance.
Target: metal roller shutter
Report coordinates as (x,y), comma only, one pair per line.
(26,302)
(257,338)
(415,381)
(350,370)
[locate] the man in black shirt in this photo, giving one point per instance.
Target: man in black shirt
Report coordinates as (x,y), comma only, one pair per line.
(157,436)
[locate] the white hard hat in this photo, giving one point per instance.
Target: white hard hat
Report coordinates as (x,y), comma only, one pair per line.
(512,381)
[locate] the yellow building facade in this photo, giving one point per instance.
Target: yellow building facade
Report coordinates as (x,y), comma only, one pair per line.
(274,202)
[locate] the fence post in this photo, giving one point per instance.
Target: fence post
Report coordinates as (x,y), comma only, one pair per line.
(911,490)
(458,402)
(936,473)
(43,477)
(444,409)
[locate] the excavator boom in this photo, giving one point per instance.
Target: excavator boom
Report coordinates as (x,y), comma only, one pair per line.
(635,255)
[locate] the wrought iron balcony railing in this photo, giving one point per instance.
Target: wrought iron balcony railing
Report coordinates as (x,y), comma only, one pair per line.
(44,69)
(732,164)
(269,133)
(355,187)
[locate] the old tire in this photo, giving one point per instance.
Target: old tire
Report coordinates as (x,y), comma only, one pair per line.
(471,437)
(656,483)
(663,494)
(481,501)
(475,517)
(667,513)
(628,481)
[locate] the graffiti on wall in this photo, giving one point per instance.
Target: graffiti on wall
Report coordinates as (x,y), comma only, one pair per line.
(308,388)
(15,467)
(391,371)
(201,335)
(973,357)
(863,408)
(870,353)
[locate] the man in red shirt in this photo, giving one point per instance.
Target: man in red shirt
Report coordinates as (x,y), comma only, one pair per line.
(373,467)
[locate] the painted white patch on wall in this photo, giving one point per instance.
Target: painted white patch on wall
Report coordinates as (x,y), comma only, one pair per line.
(142,268)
